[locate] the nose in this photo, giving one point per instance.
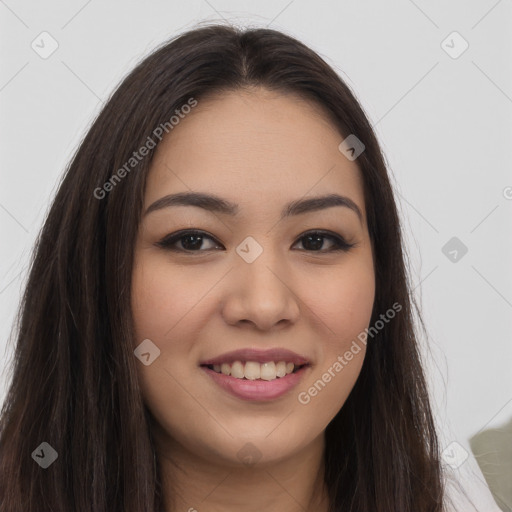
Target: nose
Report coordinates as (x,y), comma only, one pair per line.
(260,295)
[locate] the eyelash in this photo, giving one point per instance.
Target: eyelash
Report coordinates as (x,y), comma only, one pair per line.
(168,241)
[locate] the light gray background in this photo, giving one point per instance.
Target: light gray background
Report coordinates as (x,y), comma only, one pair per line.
(444,124)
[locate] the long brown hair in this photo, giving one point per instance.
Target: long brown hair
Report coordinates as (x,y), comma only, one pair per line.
(74,380)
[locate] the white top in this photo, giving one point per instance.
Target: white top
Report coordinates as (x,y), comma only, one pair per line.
(466,489)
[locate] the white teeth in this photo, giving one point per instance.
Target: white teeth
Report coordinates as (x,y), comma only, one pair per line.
(237,370)
(281,369)
(268,371)
(252,370)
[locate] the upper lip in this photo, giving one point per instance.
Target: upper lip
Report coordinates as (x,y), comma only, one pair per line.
(259,356)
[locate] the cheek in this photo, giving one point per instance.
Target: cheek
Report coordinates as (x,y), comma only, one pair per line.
(163,296)
(170,309)
(351,307)
(345,307)
(343,303)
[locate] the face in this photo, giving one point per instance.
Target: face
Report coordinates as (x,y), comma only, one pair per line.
(251,279)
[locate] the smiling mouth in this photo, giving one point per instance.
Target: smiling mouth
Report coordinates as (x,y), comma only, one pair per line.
(252,370)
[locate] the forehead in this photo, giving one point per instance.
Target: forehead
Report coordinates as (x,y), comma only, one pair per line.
(249,145)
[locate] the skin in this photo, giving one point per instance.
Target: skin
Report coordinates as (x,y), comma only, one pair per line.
(244,146)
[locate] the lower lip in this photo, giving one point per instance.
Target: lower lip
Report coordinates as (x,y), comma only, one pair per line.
(257,390)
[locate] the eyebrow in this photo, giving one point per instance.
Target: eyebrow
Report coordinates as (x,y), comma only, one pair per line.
(214,203)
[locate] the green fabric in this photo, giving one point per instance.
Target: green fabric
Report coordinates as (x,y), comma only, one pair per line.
(493,452)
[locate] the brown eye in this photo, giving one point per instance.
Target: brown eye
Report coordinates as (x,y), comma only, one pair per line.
(191,241)
(314,241)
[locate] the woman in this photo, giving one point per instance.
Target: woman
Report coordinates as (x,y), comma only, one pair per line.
(218,314)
